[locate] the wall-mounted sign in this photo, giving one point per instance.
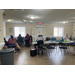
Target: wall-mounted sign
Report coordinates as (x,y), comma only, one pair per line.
(10,30)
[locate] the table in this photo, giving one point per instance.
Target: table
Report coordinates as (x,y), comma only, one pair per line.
(46,42)
(68,42)
(54,42)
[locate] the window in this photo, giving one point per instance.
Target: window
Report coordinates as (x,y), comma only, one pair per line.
(19,30)
(58,31)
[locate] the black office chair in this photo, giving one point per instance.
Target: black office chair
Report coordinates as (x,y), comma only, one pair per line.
(50,47)
(63,46)
(53,38)
(48,39)
(72,45)
(41,47)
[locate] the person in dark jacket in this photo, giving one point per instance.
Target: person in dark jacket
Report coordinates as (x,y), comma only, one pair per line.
(27,40)
(20,39)
(70,37)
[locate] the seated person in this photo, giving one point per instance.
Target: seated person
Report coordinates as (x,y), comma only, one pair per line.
(62,39)
(70,37)
(27,40)
(20,39)
(74,38)
(66,37)
(30,40)
(10,41)
(27,36)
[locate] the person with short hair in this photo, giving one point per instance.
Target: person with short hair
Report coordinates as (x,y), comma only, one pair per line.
(70,37)
(66,37)
(20,39)
(40,38)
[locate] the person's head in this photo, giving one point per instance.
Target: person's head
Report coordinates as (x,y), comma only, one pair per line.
(20,35)
(27,36)
(38,35)
(11,37)
(66,35)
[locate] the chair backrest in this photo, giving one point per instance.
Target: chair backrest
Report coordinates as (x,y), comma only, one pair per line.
(61,44)
(53,39)
(47,38)
(6,43)
(40,42)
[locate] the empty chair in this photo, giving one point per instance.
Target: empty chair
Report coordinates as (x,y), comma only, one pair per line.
(50,47)
(73,45)
(53,38)
(47,38)
(63,46)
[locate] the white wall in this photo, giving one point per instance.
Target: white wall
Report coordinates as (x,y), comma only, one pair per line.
(4,27)
(1,31)
(68,29)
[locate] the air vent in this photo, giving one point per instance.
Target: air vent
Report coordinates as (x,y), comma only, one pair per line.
(17,9)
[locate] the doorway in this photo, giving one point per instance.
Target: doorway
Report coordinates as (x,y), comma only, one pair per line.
(39,30)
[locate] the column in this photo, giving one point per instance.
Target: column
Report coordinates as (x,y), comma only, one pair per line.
(1,29)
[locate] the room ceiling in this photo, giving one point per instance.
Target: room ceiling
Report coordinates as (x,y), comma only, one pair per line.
(46,16)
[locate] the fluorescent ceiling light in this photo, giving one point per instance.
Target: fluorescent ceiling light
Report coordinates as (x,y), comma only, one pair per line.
(32,17)
(8,20)
(24,20)
(64,22)
(31,21)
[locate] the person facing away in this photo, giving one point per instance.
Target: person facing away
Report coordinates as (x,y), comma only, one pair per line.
(10,41)
(27,36)
(40,37)
(27,40)
(20,39)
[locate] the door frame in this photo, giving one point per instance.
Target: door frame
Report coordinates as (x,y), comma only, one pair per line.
(39,27)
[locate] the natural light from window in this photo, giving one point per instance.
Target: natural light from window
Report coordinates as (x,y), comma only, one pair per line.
(19,30)
(58,31)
